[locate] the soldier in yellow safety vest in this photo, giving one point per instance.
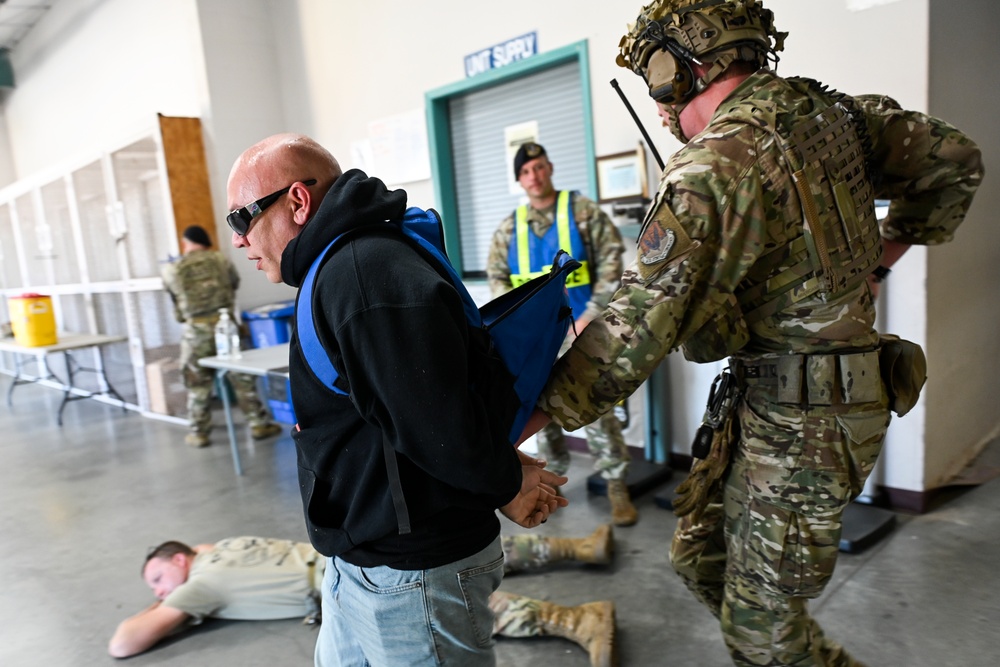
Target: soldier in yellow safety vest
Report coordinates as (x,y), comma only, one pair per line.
(522,248)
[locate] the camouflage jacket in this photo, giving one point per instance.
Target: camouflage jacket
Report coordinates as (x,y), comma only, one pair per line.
(200,282)
(600,236)
(727,199)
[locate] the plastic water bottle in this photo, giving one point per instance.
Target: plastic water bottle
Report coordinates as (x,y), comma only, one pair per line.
(227,336)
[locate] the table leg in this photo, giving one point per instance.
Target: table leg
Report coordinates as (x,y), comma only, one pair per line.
(19,377)
(16,381)
(68,385)
(220,381)
(108,389)
(73,368)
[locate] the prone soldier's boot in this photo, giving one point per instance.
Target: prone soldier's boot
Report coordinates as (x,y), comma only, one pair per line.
(596,549)
(623,512)
(591,625)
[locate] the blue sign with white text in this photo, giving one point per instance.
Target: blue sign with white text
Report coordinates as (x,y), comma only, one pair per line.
(502,54)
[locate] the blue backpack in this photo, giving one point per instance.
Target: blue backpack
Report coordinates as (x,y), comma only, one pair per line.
(514,339)
(525,326)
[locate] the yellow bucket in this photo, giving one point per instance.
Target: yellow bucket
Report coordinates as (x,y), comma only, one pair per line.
(32,320)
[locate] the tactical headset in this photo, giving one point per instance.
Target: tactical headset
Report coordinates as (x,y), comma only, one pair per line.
(668,38)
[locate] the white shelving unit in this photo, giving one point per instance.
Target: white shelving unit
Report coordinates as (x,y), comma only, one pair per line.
(93,236)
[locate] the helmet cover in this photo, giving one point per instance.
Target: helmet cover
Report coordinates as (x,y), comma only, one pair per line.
(670,35)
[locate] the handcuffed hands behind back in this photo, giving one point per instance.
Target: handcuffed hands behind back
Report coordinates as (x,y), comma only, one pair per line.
(537,498)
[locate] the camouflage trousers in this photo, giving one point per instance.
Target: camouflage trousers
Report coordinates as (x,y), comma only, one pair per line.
(524,552)
(604,439)
(515,615)
(769,540)
(198,341)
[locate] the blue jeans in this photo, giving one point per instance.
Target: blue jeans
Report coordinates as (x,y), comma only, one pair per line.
(381,617)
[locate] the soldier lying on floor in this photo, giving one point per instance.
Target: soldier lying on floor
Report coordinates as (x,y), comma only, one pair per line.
(255,578)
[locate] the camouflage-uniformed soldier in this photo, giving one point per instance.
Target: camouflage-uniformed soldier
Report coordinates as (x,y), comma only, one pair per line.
(523,247)
(200,283)
(762,245)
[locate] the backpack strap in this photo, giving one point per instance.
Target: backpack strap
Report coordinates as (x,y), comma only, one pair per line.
(312,350)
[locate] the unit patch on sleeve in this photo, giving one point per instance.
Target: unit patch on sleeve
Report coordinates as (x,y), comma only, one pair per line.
(662,238)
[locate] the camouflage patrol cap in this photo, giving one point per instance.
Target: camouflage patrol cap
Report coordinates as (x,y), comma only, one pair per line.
(526,153)
(669,35)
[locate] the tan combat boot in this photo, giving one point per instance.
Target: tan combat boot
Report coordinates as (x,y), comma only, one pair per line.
(595,549)
(194,439)
(265,430)
(590,625)
(623,512)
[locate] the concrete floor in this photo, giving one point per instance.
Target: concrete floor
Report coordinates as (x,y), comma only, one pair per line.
(79,506)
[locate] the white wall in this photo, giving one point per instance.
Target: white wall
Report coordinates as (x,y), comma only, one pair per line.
(95,71)
(7,173)
(962,314)
(93,74)
(253,58)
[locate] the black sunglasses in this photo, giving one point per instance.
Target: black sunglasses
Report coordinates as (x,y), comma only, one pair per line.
(240,219)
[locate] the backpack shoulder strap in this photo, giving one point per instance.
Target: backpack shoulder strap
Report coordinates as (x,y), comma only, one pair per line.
(312,350)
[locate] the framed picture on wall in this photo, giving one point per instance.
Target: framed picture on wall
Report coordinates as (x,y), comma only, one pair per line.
(622,176)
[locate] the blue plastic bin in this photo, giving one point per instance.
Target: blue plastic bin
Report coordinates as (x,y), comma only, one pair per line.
(279,398)
(270,324)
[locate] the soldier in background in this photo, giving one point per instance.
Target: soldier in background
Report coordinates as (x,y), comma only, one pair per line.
(200,283)
(531,235)
(762,245)
(255,578)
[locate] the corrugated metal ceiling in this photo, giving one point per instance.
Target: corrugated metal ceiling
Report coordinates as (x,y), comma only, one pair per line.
(17,17)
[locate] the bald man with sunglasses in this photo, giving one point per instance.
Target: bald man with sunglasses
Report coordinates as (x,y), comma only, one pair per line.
(401,466)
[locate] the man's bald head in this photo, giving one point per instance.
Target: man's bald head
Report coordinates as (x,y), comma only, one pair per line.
(293,173)
(275,162)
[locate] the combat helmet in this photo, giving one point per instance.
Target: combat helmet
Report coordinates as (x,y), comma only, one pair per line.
(669,36)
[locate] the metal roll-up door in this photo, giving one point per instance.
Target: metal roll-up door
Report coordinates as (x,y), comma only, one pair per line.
(554,100)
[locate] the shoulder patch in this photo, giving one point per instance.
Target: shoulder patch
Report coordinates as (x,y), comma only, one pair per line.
(656,244)
(662,238)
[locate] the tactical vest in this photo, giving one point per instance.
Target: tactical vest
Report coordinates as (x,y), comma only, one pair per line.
(202,283)
(827,154)
(531,256)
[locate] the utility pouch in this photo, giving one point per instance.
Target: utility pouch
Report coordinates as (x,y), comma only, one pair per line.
(904,370)
(711,450)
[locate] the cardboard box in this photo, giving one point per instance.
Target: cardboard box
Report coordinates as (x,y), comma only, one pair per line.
(167,395)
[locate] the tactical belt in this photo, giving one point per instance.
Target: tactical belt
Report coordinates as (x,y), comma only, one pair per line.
(209,318)
(813,379)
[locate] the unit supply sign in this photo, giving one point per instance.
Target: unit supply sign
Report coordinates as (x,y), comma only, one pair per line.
(501,54)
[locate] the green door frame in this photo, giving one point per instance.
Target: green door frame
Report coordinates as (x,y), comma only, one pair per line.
(439,129)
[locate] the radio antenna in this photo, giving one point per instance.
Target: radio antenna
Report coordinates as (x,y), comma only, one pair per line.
(649,142)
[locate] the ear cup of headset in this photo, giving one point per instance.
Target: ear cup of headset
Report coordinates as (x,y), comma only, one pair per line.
(670,79)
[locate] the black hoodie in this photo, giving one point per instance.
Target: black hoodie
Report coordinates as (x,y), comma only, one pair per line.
(394,329)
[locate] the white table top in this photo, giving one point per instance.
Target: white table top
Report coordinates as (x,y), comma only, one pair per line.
(66,341)
(259,361)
